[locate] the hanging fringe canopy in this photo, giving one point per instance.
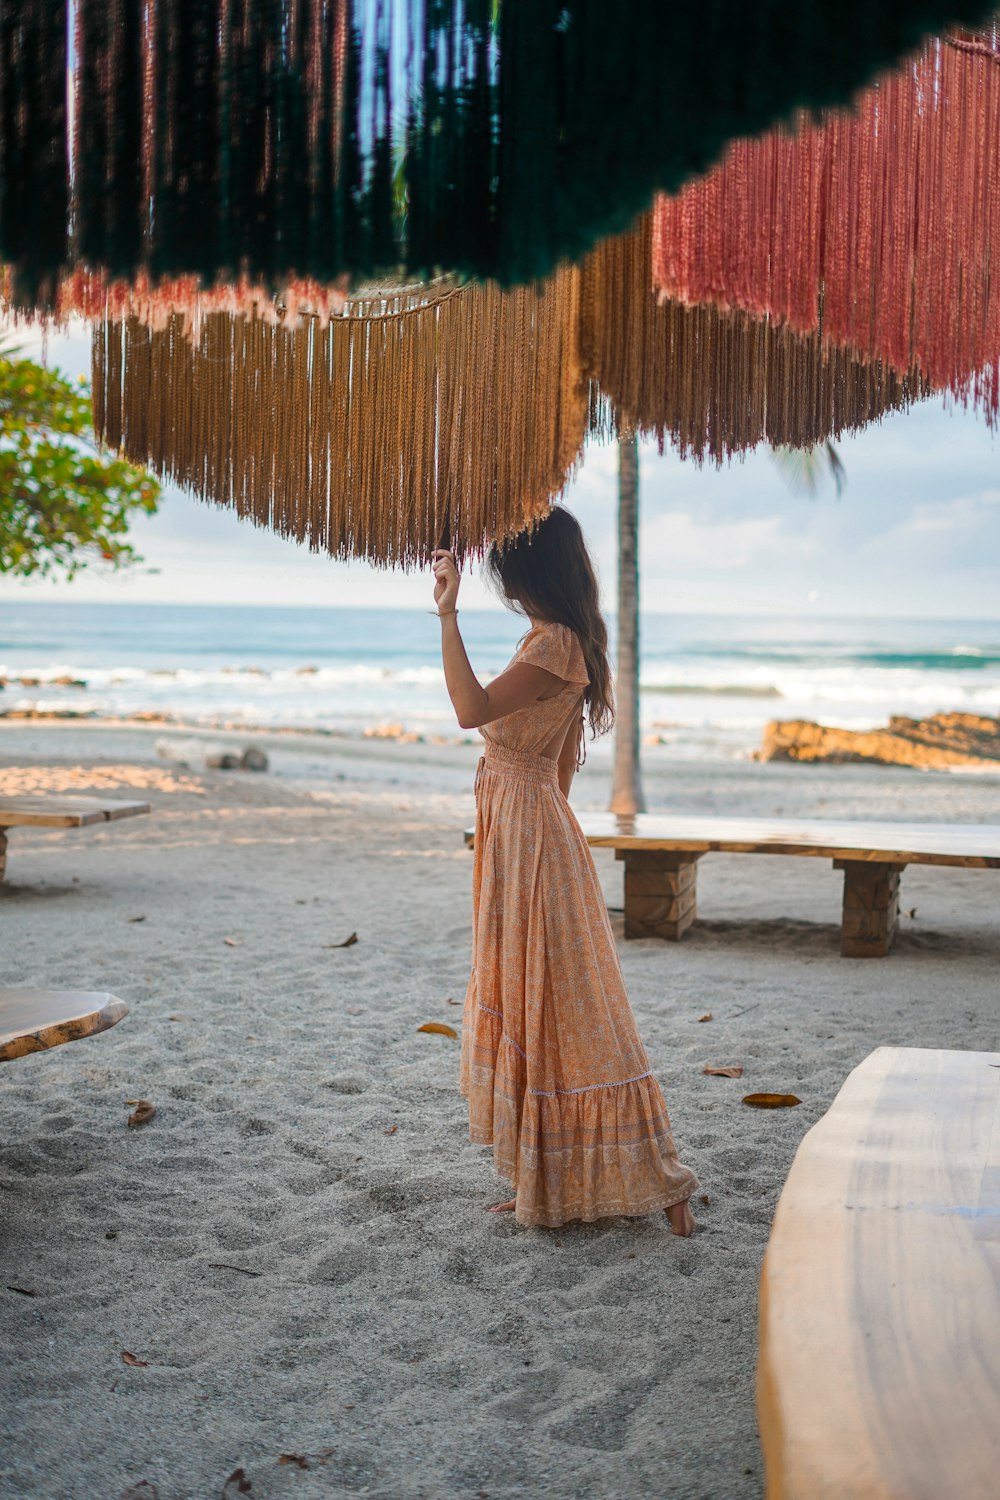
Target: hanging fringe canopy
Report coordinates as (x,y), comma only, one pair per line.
(303,140)
(417,420)
(713,384)
(455,414)
(879,228)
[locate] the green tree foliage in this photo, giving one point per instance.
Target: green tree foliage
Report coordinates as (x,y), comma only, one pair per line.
(63,504)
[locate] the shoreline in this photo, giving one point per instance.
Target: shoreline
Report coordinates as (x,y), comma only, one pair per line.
(711,684)
(686,748)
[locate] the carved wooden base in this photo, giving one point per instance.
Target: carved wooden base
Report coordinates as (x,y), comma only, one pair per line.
(871,907)
(660,893)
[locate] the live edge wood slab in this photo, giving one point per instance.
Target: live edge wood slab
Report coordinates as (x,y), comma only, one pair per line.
(59,812)
(878,1373)
(660,855)
(32,1020)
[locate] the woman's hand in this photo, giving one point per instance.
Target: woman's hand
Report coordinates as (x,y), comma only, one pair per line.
(446,581)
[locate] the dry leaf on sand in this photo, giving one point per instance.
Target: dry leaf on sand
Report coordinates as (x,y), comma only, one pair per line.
(301,1460)
(348,942)
(771,1101)
(233,942)
(439,1028)
(238,1483)
(707,1016)
(391,1131)
(450,1001)
(131,1359)
(137,919)
(143,1111)
(733,1071)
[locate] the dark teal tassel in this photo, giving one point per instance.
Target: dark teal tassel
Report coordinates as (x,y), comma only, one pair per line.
(34,158)
(491,138)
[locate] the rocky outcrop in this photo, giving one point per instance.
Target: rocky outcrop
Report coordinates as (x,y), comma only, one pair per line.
(934,743)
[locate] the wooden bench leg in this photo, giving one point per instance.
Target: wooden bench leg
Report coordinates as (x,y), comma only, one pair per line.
(3,852)
(871,907)
(660,893)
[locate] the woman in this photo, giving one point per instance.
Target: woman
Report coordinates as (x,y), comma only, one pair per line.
(552,1064)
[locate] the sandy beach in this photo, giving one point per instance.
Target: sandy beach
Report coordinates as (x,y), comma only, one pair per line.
(296,1245)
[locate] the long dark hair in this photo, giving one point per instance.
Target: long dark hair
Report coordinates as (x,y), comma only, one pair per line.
(547,573)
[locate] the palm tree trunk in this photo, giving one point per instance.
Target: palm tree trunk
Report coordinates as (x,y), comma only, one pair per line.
(626,787)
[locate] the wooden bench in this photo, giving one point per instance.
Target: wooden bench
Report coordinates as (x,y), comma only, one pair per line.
(878,1372)
(31,1020)
(59,812)
(660,855)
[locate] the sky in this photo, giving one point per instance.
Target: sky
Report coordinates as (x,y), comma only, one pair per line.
(916,532)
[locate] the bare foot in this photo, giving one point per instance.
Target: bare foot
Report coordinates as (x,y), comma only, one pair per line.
(682,1220)
(504,1208)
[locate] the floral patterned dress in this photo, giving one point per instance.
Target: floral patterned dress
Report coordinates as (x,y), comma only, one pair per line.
(556,1075)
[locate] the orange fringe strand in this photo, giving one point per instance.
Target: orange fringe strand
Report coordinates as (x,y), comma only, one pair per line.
(93,296)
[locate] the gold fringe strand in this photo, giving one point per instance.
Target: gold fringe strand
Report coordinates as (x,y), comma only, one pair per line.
(417,419)
(713,383)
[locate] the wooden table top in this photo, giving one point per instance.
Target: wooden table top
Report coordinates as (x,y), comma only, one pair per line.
(32,1020)
(976,845)
(879,1365)
(64,812)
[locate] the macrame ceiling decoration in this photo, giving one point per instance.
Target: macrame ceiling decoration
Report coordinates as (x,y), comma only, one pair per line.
(436,416)
(231,355)
(270,142)
(878,228)
(454,416)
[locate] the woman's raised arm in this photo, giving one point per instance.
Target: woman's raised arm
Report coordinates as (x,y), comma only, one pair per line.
(521,684)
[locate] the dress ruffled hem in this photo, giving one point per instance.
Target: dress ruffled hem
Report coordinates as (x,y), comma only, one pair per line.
(581,1213)
(595,1152)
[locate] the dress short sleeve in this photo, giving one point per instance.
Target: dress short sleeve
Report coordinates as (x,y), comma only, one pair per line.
(556,649)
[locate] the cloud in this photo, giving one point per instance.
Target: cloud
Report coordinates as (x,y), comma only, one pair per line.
(960,529)
(681,540)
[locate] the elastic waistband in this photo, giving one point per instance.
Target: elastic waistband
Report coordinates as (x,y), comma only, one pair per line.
(498,759)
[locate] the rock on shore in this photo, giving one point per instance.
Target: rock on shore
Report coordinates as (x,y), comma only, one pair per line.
(934,743)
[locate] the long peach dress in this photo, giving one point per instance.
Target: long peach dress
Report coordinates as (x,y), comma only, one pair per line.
(556,1075)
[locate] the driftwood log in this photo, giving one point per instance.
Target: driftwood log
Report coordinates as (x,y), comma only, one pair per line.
(216,756)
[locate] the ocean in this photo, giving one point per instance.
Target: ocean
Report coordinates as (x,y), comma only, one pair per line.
(709,682)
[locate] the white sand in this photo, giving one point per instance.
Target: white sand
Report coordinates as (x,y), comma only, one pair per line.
(436,1350)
